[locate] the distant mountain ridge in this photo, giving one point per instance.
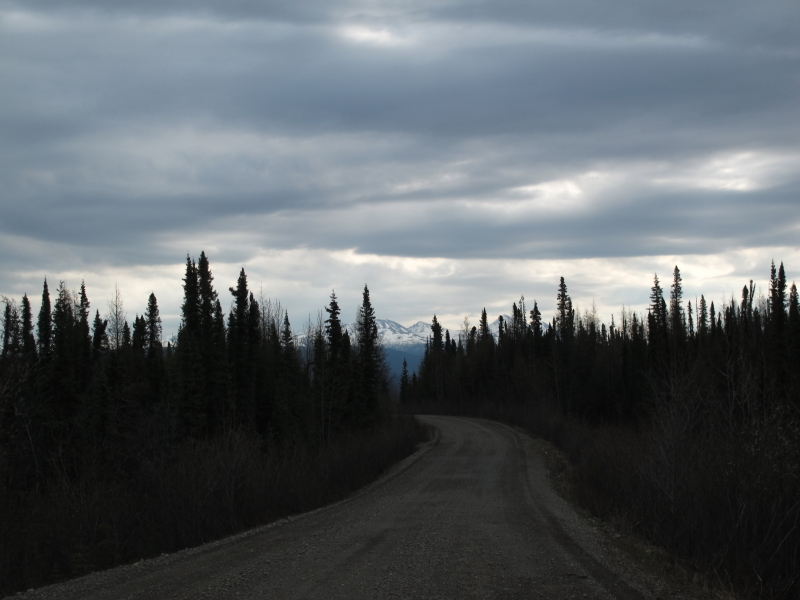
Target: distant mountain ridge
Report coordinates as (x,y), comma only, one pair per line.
(408,343)
(394,335)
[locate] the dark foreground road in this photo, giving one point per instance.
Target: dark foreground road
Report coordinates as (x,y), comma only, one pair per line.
(472,515)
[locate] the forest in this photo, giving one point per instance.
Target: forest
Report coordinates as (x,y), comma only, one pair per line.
(682,424)
(115,446)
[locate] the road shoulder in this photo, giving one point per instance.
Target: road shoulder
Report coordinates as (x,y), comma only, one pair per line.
(660,573)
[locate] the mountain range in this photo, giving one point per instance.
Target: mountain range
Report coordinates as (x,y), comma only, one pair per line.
(408,343)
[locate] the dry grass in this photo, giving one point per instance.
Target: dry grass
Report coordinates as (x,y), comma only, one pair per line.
(191,494)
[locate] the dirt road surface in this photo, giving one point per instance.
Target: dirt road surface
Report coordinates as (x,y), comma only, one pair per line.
(470,515)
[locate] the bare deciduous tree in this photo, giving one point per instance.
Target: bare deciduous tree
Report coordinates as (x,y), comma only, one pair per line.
(116,318)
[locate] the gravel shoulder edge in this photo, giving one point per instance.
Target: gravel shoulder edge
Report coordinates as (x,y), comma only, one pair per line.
(656,571)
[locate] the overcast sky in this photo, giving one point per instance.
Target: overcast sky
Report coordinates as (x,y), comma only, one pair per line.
(450,154)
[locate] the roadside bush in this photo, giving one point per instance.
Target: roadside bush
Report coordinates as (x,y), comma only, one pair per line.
(714,486)
(190,494)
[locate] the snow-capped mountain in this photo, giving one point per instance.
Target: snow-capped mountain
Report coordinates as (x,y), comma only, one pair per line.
(394,335)
(408,343)
(494,326)
(421,328)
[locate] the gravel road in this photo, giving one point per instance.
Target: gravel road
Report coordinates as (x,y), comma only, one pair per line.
(471,515)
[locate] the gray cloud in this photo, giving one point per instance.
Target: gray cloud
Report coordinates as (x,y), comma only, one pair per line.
(458,130)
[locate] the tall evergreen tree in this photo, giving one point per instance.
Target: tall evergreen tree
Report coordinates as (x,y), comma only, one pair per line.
(536,321)
(333,376)
(657,324)
(155,352)
(99,337)
(126,335)
(208,301)
(677,317)
(777,294)
(404,383)
(436,335)
(370,360)
(191,307)
(152,317)
(83,339)
(793,327)
(28,341)
(213,349)
(484,335)
(333,330)
(64,381)
(193,406)
(565,314)
(44,325)
(238,348)
(712,318)
(287,339)
(11,330)
(139,337)
(702,318)
(657,305)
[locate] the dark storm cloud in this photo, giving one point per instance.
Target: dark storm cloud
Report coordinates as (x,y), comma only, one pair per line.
(395,128)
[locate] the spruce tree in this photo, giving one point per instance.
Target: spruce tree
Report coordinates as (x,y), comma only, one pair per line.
(213,349)
(28,341)
(190,309)
(777,294)
(484,335)
(44,325)
(63,385)
(404,382)
(155,354)
(220,410)
(776,326)
(83,339)
(11,330)
(152,318)
(657,325)
(565,314)
(370,362)
(238,349)
(435,363)
(99,337)
(712,317)
(793,328)
(208,296)
(126,335)
(333,330)
(436,335)
(743,311)
(536,321)
(657,306)
(702,318)
(193,406)
(287,339)
(677,317)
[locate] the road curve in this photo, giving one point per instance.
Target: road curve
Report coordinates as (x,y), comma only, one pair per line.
(471,515)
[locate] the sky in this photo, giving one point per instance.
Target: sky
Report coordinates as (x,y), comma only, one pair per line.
(452,155)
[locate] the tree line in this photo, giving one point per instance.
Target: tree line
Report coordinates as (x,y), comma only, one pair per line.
(747,350)
(683,422)
(91,403)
